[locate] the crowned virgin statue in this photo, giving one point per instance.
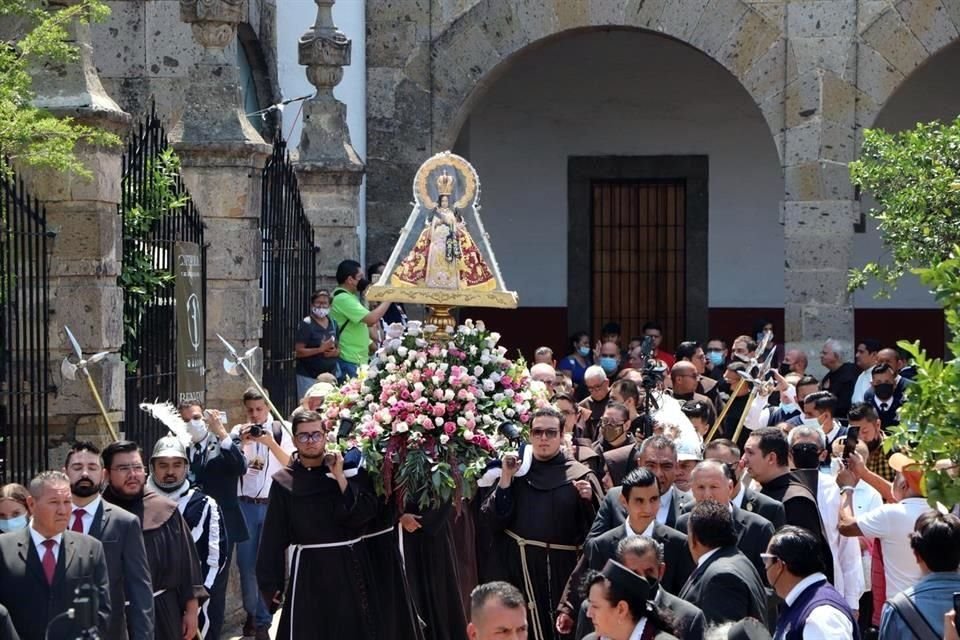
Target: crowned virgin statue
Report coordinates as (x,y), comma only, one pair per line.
(444,256)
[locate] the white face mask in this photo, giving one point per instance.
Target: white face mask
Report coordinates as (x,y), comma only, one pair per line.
(811,422)
(197,430)
(321,312)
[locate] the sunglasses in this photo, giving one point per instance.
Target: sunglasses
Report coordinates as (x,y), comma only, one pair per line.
(545,433)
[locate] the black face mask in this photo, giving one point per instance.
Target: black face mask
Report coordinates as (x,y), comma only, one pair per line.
(806,455)
(784,368)
(362,285)
(883,391)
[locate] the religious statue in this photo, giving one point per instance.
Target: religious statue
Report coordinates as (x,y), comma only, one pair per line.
(444,256)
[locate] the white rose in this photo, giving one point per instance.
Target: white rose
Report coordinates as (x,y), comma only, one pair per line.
(461,421)
(468,436)
(510,413)
(394,330)
(485,359)
(478,370)
(444,439)
(509,393)
(489,385)
(345,413)
(402,351)
(401,427)
(448,395)
(438,421)
(418,386)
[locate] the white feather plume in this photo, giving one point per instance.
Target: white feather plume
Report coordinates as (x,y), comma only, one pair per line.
(169,416)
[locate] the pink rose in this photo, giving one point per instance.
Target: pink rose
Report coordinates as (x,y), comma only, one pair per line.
(449,428)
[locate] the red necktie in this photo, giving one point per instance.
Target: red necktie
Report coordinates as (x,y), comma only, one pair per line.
(49,561)
(78,520)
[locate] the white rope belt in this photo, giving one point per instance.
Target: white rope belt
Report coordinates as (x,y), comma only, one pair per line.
(522,543)
(157,593)
(297,548)
(378,533)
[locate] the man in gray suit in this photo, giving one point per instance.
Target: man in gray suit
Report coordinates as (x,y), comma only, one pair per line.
(45,566)
(122,539)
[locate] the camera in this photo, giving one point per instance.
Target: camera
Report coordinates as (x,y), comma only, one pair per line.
(511,431)
(256,430)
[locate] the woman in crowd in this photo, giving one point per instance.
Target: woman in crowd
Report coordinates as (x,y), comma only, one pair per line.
(621,606)
(576,363)
(14,513)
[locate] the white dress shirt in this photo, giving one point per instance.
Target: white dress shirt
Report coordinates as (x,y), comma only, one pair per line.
(824,622)
(738,499)
(646,532)
(847,563)
(666,503)
(863,384)
(261,463)
(706,556)
(638,630)
(38,540)
(89,512)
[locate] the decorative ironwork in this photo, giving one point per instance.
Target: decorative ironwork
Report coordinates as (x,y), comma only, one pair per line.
(157,212)
(24,331)
(288,275)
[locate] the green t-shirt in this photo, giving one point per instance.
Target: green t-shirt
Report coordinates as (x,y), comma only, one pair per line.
(347,311)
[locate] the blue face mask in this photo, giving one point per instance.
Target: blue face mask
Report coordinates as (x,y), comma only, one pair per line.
(13,524)
(584,351)
(715,358)
(789,408)
(608,364)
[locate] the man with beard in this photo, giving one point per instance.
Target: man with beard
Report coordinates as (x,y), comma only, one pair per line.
(122,540)
(174,566)
(168,478)
(540,512)
(319,514)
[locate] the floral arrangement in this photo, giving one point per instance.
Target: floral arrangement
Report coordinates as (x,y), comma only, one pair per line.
(427,411)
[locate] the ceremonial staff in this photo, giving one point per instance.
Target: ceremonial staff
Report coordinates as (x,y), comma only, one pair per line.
(744,378)
(240,362)
(759,383)
(71,371)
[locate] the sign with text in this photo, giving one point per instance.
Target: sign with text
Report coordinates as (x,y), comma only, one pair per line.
(191,341)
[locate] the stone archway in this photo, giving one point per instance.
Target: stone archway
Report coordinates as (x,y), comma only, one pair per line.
(896,42)
(478,45)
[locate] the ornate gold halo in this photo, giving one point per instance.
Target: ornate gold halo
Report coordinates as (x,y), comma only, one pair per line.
(466,178)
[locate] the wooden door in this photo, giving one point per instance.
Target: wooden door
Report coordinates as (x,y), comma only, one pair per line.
(638,256)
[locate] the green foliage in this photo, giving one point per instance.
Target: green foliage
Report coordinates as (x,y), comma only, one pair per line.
(29,135)
(140,278)
(915,178)
(930,418)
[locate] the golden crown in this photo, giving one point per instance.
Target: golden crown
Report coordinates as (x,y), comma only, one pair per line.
(445,184)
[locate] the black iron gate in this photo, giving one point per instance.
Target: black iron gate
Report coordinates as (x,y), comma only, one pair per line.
(24,331)
(288,276)
(157,212)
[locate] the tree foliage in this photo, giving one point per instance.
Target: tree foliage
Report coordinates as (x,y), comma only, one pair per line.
(914,176)
(40,39)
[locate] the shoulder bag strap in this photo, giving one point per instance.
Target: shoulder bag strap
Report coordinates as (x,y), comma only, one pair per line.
(346,322)
(919,626)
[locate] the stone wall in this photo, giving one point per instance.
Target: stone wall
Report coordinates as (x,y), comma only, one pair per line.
(818,70)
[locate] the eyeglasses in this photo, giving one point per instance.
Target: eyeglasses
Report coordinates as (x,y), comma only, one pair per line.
(311,436)
(768,559)
(128,468)
(549,434)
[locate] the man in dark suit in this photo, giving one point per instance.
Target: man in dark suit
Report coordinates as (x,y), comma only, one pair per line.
(216,465)
(43,566)
(725,584)
(640,497)
(885,395)
(746,498)
(122,540)
(713,480)
(659,455)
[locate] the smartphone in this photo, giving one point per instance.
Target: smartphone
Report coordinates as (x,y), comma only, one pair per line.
(956,609)
(346,427)
(850,444)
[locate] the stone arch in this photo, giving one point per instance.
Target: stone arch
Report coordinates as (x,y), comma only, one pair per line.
(896,42)
(476,47)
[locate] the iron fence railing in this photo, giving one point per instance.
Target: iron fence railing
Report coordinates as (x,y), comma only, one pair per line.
(288,275)
(24,331)
(157,212)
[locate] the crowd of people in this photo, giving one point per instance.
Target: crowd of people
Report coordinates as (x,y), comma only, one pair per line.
(684,494)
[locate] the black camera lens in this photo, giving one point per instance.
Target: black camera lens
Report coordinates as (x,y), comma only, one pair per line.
(256,430)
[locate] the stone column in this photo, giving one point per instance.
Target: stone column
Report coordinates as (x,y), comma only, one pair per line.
(222,158)
(86,249)
(328,168)
(819,140)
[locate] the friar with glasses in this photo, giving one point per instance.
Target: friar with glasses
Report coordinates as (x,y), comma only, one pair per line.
(540,512)
(319,509)
(174,566)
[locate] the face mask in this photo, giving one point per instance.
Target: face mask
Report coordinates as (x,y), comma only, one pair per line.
(611,431)
(806,455)
(788,408)
(813,423)
(608,364)
(584,351)
(321,312)
(715,358)
(883,391)
(784,368)
(197,430)
(13,524)
(362,285)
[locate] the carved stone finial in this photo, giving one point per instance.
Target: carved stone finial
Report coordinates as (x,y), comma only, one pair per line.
(325,51)
(214,22)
